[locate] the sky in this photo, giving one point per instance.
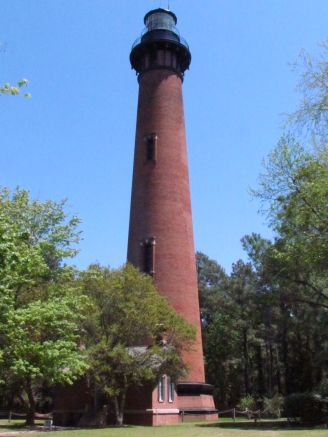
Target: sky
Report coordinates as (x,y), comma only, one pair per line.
(74,138)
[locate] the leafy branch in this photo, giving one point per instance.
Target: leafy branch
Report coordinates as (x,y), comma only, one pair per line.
(15,90)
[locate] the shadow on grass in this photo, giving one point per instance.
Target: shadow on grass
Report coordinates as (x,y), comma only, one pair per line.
(263,424)
(8,427)
(20,425)
(13,426)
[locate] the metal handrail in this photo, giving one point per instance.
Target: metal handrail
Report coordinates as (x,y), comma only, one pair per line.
(176,34)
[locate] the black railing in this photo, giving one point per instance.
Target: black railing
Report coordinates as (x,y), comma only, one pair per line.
(175,36)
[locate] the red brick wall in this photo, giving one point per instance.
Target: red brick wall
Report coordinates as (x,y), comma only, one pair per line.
(70,403)
(160,201)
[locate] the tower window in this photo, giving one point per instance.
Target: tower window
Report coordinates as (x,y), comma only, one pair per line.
(151,149)
(170,390)
(151,146)
(149,255)
(161,389)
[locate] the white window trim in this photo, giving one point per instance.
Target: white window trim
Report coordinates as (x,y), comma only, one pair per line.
(161,389)
(170,390)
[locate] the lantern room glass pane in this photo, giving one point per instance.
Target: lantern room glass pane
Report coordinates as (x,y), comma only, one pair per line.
(160,20)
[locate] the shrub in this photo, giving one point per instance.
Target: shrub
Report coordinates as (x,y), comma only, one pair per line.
(322,388)
(274,405)
(247,402)
(306,407)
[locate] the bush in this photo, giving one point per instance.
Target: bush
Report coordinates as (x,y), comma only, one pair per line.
(322,388)
(273,406)
(247,402)
(306,407)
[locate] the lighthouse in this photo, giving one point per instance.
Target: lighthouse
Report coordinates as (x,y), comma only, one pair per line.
(160,241)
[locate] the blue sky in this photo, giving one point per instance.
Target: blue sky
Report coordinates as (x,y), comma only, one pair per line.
(75,137)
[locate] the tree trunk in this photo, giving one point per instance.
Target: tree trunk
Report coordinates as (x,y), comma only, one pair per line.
(30,413)
(261,383)
(278,374)
(118,412)
(285,348)
(119,403)
(271,368)
(246,363)
(309,368)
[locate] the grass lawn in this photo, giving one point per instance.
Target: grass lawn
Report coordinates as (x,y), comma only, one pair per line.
(15,424)
(187,429)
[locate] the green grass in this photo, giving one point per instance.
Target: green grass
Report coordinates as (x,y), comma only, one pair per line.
(187,429)
(15,424)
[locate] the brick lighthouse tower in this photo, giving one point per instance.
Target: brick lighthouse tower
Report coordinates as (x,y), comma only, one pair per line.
(160,233)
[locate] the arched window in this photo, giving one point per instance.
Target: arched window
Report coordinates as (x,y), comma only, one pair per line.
(161,389)
(170,390)
(149,255)
(151,146)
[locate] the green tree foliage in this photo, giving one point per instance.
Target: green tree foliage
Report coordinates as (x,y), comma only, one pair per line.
(212,281)
(260,338)
(293,190)
(247,403)
(125,313)
(305,407)
(14,90)
(296,324)
(230,329)
(311,116)
(274,405)
(292,270)
(39,303)
(269,317)
(220,340)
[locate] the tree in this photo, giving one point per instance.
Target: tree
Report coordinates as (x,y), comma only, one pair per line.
(39,302)
(293,190)
(294,195)
(294,326)
(220,339)
(264,326)
(41,345)
(230,332)
(294,183)
(126,313)
(212,281)
(292,270)
(260,335)
(312,114)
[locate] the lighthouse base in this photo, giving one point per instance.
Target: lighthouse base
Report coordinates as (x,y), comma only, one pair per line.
(191,401)
(195,401)
(145,405)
